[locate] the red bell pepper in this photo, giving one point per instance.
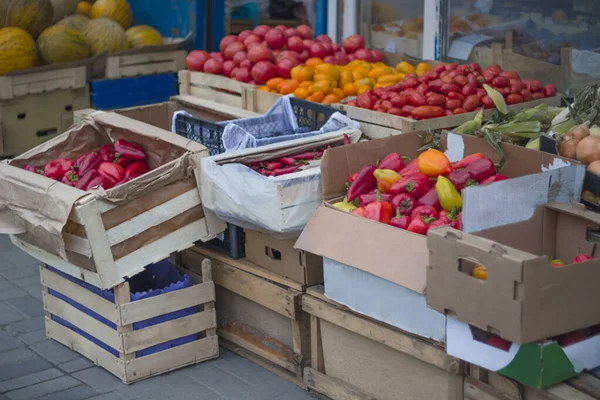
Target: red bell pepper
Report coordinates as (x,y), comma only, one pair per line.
(458,223)
(101,181)
(111,171)
(365,199)
(380,211)
(360,211)
(461,178)
(481,169)
(33,169)
(400,221)
(285,171)
(419,225)
(424,211)
(579,258)
(107,153)
(494,178)
(351,179)
(122,161)
(71,178)
(468,160)
(449,217)
(412,167)
(416,185)
(392,161)
(430,199)
(404,203)
(347,139)
(363,183)
(57,168)
(438,223)
(130,150)
(84,180)
(87,162)
(136,167)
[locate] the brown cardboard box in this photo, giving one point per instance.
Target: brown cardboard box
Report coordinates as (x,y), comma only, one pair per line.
(280,256)
(524,299)
(393,254)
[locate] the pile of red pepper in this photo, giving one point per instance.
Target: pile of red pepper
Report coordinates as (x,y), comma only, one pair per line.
(421,195)
(286,165)
(107,167)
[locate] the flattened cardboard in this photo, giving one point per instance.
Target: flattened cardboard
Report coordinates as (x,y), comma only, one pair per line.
(382,250)
(280,256)
(524,298)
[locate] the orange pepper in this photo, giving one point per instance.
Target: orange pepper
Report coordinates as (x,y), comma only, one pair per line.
(479,272)
(434,163)
(385,179)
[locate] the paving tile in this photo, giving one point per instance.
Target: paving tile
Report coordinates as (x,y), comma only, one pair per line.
(28,305)
(99,379)
(107,396)
(28,325)
(31,379)
(15,355)
(33,337)
(34,290)
(21,271)
(12,293)
(54,352)
(20,362)
(76,393)
(8,314)
(5,284)
(169,386)
(19,258)
(44,388)
(8,342)
(76,365)
(27,282)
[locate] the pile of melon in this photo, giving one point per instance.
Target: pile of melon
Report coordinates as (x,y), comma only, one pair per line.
(39,32)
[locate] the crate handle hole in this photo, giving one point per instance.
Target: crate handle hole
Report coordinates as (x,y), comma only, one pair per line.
(272,253)
(467,266)
(69,108)
(21,115)
(46,132)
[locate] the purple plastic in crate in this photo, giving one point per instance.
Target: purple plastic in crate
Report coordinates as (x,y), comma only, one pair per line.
(170,279)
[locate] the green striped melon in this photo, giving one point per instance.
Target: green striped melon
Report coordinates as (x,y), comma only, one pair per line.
(62,8)
(75,22)
(104,34)
(32,16)
(143,35)
(17,50)
(59,44)
(117,10)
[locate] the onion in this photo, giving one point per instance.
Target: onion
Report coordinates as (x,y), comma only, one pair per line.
(566,147)
(594,167)
(579,131)
(588,150)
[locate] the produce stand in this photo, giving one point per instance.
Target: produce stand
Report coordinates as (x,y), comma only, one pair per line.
(214,87)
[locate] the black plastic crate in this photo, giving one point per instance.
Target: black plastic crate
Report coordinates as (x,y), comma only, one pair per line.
(233,243)
(309,115)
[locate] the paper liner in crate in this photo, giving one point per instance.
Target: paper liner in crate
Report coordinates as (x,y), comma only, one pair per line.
(280,205)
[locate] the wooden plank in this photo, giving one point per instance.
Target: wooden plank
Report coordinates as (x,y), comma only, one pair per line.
(123,296)
(301,340)
(280,361)
(245,266)
(202,79)
(168,302)
(64,310)
(316,351)
(153,217)
(42,81)
(258,290)
(333,388)
(476,390)
(83,274)
(89,350)
(77,244)
(83,296)
(587,384)
(160,249)
(219,97)
(207,277)
(564,392)
(173,358)
(173,329)
(228,112)
(379,333)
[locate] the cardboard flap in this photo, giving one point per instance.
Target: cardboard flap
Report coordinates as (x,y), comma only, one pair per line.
(576,210)
(366,245)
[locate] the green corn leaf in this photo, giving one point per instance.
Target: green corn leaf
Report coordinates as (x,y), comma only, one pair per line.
(497,98)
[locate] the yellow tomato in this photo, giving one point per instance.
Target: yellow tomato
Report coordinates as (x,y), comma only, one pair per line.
(363,88)
(376,72)
(479,272)
(329,70)
(306,84)
(423,67)
(346,77)
(330,99)
(390,78)
(365,81)
(405,68)
(301,93)
(288,86)
(314,61)
(378,85)
(350,89)
(357,75)
(273,83)
(321,86)
(317,97)
(306,74)
(295,72)
(364,71)
(354,63)
(339,93)
(264,89)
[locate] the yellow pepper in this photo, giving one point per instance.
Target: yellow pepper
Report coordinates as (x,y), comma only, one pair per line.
(405,68)
(479,272)
(447,194)
(385,179)
(345,206)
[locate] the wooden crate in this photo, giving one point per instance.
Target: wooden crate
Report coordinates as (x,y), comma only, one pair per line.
(40,80)
(377,125)
(258,101)
(160,62)
(355,357)
(481,384)
(124,313)
(260,315)
(217,88)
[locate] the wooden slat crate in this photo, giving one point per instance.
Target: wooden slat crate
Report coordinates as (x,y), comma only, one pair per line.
(217,88)
(160,62)
(481,384)
(355,357)
(377,125)
(42,81)
(124,313)
(259,313)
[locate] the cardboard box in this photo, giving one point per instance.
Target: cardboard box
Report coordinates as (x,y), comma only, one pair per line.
(29,120)
(401,257)
(280,256)
(524,299)
(104,236)
(540,364)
